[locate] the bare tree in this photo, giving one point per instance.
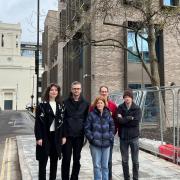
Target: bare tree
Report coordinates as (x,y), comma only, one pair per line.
(149,17)
(146,18)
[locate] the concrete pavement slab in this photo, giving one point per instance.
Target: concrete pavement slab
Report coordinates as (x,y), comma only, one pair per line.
(151,167)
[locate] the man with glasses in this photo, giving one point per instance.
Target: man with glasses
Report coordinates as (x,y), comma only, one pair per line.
(76,110)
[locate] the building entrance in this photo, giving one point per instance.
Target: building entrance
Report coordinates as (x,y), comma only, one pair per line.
(8,104)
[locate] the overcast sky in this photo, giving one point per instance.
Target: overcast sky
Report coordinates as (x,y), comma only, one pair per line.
(25,12)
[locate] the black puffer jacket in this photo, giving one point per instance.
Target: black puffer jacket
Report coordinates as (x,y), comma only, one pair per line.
(75,115)
(129,122)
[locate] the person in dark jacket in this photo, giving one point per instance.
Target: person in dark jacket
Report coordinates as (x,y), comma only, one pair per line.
(76,110)
(49,131)
(99,130)
(129,116)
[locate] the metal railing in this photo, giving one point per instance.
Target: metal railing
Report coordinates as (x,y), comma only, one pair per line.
(160,117)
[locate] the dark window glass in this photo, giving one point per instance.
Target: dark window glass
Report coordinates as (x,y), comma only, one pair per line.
(8,104)
(134,86)
(142,46)
(138,86)
(148,85)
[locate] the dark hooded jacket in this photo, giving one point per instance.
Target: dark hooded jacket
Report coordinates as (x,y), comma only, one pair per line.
(129,123)
(75,115)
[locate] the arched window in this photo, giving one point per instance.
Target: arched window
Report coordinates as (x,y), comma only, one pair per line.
(17,42)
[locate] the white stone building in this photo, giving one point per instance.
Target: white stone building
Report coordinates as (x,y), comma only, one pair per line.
(17,72)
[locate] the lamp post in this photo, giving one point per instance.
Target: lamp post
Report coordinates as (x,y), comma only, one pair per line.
(32,96)
(16,96)
(142,75)
(37,54)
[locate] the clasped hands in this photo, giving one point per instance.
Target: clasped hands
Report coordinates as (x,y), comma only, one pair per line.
(127,117)
(40,141)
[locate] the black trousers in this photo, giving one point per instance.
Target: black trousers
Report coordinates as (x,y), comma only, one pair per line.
(73,145)
(124,148)
(53,160)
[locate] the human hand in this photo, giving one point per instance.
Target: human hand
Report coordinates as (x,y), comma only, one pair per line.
(63,140)
(119,115)
(129,118)
(39,142)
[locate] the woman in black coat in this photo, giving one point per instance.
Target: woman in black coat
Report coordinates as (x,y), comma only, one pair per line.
(49,131)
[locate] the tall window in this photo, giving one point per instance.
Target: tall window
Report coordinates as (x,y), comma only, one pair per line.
(2,40)
(142,46)
(139,49)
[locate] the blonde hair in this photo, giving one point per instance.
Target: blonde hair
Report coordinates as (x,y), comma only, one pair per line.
(99,98)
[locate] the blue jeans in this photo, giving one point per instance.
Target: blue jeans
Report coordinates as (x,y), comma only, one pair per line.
(124,148)
(100,158)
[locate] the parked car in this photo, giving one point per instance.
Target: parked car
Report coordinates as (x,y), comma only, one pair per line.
(28,107)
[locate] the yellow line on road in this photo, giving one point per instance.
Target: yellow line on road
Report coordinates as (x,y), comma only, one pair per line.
(9,161)
(4,159)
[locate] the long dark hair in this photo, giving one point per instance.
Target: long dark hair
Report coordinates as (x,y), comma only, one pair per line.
(46,94)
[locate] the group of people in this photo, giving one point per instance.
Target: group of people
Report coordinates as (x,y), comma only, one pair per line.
(61,128)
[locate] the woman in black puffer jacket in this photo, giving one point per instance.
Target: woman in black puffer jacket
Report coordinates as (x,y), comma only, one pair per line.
(99,130)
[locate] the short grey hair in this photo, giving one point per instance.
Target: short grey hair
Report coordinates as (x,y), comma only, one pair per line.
(75,83)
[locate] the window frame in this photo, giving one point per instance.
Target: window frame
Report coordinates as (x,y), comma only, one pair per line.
(140,48)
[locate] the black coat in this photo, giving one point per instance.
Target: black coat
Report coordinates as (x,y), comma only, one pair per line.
(129,123)
(75,116)
(44,119)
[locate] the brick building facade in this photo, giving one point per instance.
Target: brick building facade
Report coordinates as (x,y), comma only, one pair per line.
(94,66)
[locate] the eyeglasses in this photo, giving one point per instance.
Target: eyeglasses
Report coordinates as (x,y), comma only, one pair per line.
(76,88)
(104,91)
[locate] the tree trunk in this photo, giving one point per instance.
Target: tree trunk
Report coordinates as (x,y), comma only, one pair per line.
(155,79)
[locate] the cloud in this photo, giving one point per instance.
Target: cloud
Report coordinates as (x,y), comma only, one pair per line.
(25,12)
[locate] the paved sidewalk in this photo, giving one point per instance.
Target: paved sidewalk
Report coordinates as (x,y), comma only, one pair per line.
(151,167)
